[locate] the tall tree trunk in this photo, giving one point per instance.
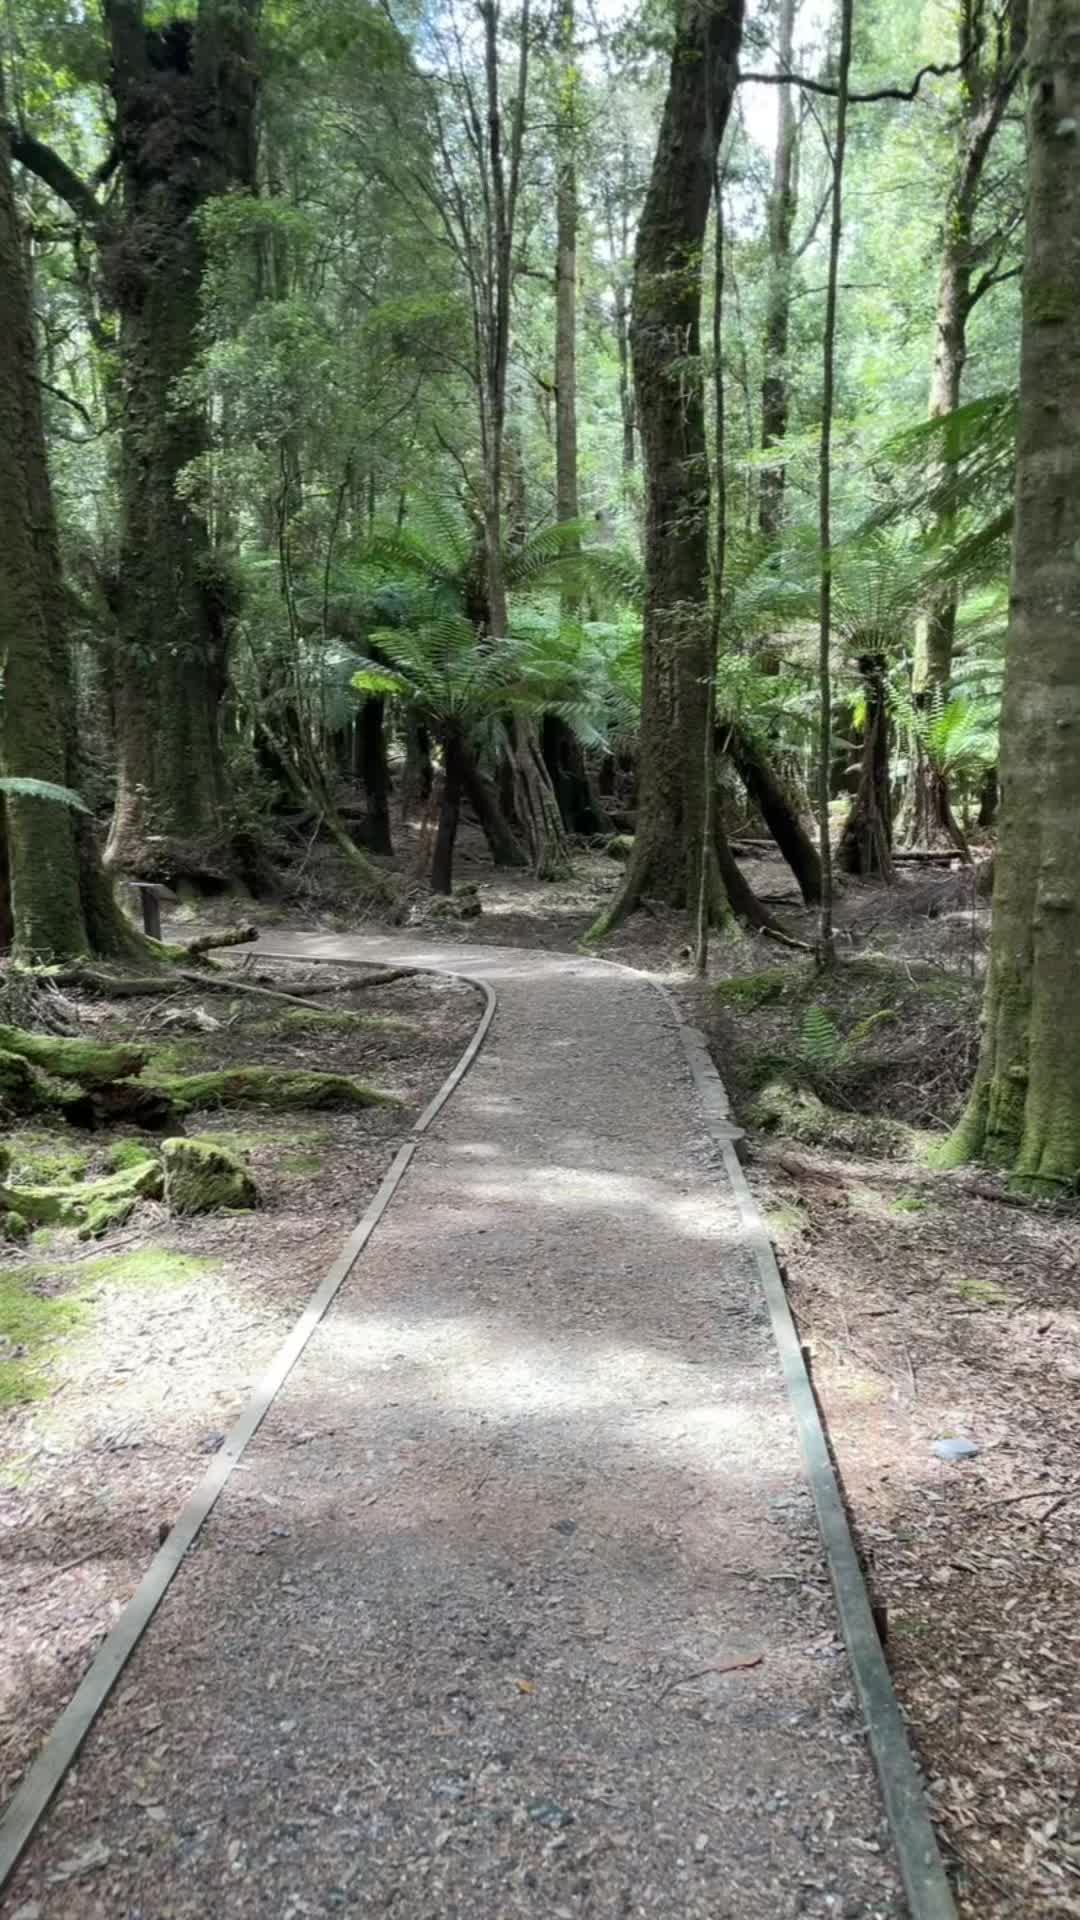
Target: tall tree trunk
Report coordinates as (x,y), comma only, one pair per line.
(375,773)
(564,758)
(991,74)
(535,805)
(416,774)
(184,104)
(566,222)
(781,219)
(866,842)
(60,903)
(1024,1111)
(626,383)
(666,342)
(442,859)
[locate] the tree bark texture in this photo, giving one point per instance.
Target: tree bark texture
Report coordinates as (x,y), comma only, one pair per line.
(483,798)
(566,221)
(666,345)
(989,81)
(781,218)
(375,773)
(1024,1112)
(442,859)
(60,903)
(184,102)
(766,790)
(866,842)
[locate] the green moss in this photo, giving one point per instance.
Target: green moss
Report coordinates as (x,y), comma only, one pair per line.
(797,1112)
(620,847)
(41,1159)
(14,1226)
(93,1206)
(128,1153)
(279,1088)
(149,1267)
(982,1293)
(30,1322)
(177,1056)
(749,990)
(909,1203)
(202,1177)
(83,1061)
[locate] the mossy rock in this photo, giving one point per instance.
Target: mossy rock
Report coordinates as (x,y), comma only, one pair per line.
(14,1226)
(797,1113)
(749,990)
(201,1177)
(620,847)
(93,1206)
(464,904)
(283,1089)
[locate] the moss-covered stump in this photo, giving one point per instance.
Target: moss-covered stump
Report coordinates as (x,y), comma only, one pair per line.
(94,1206)
(202,1177)
(798,1114)
(620,847)
(283,1089)
(14,1226)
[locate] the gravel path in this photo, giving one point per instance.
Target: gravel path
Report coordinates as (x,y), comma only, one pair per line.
(516,1605)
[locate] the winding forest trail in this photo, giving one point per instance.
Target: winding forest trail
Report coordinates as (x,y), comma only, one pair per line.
(516,1604)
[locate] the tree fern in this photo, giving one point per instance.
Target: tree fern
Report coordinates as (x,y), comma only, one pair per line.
(22,788)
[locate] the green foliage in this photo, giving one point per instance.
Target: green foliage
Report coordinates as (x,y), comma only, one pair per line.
(820,1044)
(21,788)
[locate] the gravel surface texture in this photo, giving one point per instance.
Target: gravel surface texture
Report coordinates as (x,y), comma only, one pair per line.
(516,1605)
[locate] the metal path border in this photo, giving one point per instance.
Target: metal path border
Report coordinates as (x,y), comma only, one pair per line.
(922,1870)
(33,1796)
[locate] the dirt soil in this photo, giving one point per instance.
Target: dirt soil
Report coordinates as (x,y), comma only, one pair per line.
(934,1308)
(173,1321)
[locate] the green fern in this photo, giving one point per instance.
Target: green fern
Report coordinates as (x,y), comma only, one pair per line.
(820,1043)
(22,788)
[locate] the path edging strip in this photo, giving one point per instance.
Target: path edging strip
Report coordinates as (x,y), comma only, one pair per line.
(35,1792)
(921,1867)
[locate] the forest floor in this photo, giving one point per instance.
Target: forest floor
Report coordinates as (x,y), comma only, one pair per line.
(933,1307)
(124,1360)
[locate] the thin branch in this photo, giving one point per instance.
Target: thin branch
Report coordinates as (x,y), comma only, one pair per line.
(934,70)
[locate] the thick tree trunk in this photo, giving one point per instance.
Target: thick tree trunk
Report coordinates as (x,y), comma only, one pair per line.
(666,342)
(184,104)
(60,904)
(767,793)
(442,859)
(375,773)
(1024,1112)
(626,384)
(503,846)
(781,219)
(866,842)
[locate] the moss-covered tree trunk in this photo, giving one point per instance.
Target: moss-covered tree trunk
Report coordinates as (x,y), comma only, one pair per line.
(766,790)
(666,344)
(1024,1111)
(60,904)
(184,106)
